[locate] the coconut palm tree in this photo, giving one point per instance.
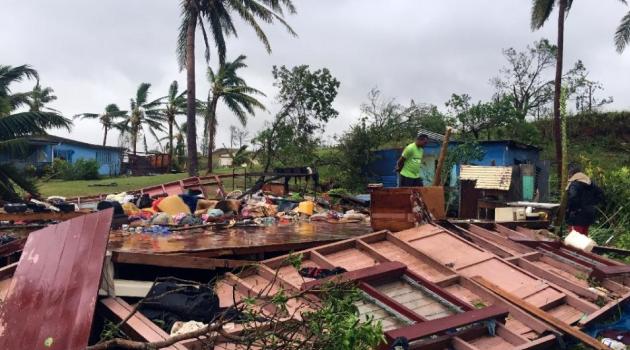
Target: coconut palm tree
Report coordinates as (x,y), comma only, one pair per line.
(15,125)
(107,118)
(142,113)
(217,16)
(622,35)
(39,97)
(541,11)
(227,86)
(173,104)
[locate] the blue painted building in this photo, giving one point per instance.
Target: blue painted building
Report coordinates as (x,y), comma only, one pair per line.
(507,152)
(44,149)
(500,153)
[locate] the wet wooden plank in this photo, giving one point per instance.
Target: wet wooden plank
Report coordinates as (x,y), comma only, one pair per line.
(239,240)
(180,261)
(55,285)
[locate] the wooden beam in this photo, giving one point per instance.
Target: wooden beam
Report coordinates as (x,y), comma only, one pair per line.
(437,179)
(555,322)
(423,329)
(384,270)
(180,261)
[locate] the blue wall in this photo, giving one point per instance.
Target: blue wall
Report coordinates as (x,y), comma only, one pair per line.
(382,168)
(503,153)
(109,159)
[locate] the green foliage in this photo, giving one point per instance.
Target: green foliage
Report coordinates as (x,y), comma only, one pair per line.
(383,123)
(473,119)
(622,35)
(228,87)
(14,126)
(338,324)
(306,99)
(82,169)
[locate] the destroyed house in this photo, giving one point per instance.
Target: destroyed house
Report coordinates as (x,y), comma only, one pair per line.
(44,149)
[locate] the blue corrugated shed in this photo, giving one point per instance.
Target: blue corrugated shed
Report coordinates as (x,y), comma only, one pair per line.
(501,152)
(43,149)
(382,168)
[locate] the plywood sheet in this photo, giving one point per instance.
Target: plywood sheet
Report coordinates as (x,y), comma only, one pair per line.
(54,289)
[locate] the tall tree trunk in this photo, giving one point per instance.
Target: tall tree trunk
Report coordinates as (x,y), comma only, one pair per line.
(191,113)
(134,138)
(170,144)
(105,137)
(558,91)
(212,128)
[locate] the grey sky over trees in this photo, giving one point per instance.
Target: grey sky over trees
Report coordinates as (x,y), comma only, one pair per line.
(93,53)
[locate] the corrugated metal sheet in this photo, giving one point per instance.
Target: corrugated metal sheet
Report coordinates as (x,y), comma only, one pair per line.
(488,177)
(53,292)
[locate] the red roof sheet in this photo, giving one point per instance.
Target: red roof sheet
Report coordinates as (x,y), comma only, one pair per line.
(54,289)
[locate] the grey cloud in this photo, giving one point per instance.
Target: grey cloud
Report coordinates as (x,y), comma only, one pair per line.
(94,53)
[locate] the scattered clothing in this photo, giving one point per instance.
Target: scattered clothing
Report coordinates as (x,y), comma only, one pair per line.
(118,210)
(191,201)
(144,201)
(180,327)
(400,343)
(170,301)
(317,273)
(173,205)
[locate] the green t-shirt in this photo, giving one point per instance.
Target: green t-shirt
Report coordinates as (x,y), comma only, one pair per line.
(413,161)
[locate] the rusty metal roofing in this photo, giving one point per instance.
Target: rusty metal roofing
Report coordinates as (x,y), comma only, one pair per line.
(53,292)
(488,177)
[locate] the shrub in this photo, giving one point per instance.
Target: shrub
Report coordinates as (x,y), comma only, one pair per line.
(85,169)
(82,169)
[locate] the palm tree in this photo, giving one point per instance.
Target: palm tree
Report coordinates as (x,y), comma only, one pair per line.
(174,104)
(107,119)
(541,11)
(39,97)
(217,15)
(622,35)
(16,125)
(141,113)
(227,86)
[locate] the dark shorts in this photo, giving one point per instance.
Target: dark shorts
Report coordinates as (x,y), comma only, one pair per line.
(409,182)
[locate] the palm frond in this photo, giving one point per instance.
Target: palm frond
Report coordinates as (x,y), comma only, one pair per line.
(14,147)
(12,180)
(9,75)
(622,35)
(28,123)
(541,10)
(142,94)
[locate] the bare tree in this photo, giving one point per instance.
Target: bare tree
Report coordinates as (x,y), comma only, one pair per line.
(525,77)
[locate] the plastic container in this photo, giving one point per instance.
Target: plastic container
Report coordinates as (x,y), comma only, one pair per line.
(579,241)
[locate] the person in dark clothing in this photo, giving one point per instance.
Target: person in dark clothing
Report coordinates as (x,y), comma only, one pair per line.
(582,197)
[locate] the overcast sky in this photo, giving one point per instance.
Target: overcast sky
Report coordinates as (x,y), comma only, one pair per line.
(97,52)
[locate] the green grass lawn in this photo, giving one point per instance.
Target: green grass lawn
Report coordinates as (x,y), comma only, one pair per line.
(123,183)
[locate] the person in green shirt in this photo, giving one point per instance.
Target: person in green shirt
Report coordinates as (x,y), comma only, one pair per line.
(410,163)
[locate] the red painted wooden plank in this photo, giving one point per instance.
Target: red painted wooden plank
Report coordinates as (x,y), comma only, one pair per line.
(423,329)
(54,288)
(391,269)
